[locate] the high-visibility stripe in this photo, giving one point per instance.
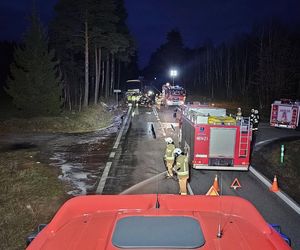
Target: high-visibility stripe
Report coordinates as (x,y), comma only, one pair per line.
(169,158)
(183,173)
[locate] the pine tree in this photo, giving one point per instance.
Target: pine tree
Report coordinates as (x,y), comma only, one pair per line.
(34,84)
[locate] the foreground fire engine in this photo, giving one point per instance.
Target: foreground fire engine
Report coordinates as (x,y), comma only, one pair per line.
(158,221)
(214,140)
(173,95)
(285,114)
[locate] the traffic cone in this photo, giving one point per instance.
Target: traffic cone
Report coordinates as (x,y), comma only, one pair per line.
(216,184)
(274,187)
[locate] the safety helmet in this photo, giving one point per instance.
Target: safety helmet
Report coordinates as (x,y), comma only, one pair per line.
(169,140)
(256,111)
(252,110)
(239,109)
(177,151)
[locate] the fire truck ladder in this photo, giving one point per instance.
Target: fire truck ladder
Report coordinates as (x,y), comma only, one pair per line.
(244,138)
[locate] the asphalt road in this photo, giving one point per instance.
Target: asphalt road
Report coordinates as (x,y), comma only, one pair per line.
(137,167)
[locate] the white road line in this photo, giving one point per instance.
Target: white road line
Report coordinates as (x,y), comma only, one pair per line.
(262,142)
(155,112)
(190,189)
(105,173)
(112,154)
(103,178)
(121,131)
(280,194)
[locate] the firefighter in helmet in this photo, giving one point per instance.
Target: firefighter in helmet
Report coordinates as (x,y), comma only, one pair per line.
(255,120)
(239,114)
(252,117)
(169,156)
(182,169)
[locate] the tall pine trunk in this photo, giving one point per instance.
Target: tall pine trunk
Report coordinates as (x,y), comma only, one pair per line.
(86,75)
(97,73)
(112,73)
(119,72)
(107,77)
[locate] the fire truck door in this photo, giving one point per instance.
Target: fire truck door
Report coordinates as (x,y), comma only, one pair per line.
(222,142)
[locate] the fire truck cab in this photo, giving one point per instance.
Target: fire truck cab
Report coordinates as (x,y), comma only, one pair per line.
(285,114)
(213,140)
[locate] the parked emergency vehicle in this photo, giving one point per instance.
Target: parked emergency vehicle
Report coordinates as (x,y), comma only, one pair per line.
(214,140)
(134,89)
(285,114)
(173,95)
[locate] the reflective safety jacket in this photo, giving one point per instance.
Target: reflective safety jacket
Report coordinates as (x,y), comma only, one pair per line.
(169,154)
(182,165)
(254,119)
(239,116)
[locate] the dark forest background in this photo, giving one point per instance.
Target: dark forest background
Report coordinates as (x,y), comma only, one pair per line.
(96,54)
(258,67)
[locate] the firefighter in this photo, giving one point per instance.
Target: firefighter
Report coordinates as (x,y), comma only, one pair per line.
(182,170)
(239,114)
(129,98)
(158,101)
(254,120)
(169,156)
(252,117)
(133,99)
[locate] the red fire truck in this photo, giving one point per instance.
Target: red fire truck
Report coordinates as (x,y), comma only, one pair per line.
(214,140)
(173,95)
(285,114)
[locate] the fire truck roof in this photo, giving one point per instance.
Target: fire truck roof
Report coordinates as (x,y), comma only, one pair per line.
(136,222)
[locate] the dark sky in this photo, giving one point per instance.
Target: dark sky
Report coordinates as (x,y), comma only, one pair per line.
(150,20)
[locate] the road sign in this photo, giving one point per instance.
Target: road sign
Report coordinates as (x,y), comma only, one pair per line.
(117,91)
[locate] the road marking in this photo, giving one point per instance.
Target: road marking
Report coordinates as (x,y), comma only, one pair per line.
(112,154)
(103,178)
(190,189)
(121,131)
(155,112)
(265,141)
(280,194)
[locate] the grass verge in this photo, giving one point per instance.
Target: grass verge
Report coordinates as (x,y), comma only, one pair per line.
(267,161)
(30,194)
(91,119)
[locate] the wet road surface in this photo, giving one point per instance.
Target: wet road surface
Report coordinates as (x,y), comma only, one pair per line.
(137,163)
(138,168)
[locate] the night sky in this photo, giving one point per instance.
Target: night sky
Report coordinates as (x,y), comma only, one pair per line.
(150,20)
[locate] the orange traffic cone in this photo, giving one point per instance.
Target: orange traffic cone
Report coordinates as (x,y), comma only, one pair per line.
(274,187)
(216,184)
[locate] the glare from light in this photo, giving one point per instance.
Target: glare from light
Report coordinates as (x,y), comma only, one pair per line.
(150,92)
(173,72)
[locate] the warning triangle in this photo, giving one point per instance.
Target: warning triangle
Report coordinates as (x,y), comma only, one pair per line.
(235,184)
(212,191)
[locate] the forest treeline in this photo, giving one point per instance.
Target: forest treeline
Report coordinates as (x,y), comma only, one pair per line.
(86,53)
(258,67)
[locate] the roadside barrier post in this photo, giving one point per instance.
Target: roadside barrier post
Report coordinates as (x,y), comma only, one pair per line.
(282,154)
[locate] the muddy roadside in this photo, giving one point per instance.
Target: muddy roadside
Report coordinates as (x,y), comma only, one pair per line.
(39,171)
